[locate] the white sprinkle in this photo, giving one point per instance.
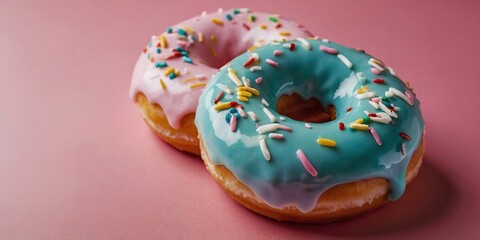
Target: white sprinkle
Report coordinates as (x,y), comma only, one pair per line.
(185,71)
(286,45)
(255,68)
(253,116)
(241,112)
(345,60)
(200,77)
(404,151)
(282,118)
(375,65)
(401,95)
(325,40)
(305,43)
(388,94)
(361,77)
(307,125)
(381,118)
(374,104)
(264,148)
(366,95)
(276,135)
(245,10)
(270,115)
(228,90)
(391,71)
(264,102)
(246,81)
(387,111)
(272,127)
(233,76)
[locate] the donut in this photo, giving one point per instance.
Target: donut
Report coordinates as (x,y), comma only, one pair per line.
(322,132)
(173,69)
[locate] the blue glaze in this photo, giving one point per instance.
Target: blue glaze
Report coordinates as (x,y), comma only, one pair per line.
(283,180)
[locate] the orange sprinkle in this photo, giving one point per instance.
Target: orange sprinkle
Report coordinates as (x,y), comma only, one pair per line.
(213,39)
(263,26)
(217,21)
(212,52)
(284,33)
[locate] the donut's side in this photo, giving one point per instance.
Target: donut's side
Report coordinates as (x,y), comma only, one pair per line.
(184,138)
(337,203)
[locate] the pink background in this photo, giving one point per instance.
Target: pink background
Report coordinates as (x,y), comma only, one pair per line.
(77,161)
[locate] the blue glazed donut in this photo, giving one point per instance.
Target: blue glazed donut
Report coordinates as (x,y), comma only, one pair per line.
(282,167)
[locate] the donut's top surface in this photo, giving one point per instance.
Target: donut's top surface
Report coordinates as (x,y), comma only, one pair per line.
(176,65)
(290,162)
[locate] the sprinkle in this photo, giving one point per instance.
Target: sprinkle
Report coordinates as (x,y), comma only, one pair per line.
(279,25)
(306,163)
(378,81)
(252,48)
(263,26)
(363,89)
(366,95)
(264,102)
(375,136)
(236,11)
(187,59)
(361,77)
(307,125)
(349,109)
(404,151)
(273,19)
(375,71)
(271,62)
(242,98)
(186,71)
(375,64)
(244,93)
(345,60)
(197,85)
(212,52)
(161,64)
(159,50)
(410,96)
(359,126)
(371,114)
(233,123)
(218,97)
(228,90)
(276,136)
(376,99)
(221,106)
(326,142)
(169,30)
(405,136)
(249,62)
(169,71)
(284,33)
(325,40)
(291,47)
(250,89)
(163,84)
(272,127)
(282,118)
(246,26)
(213,38)
(241,112)
(278,53)
(387,111)
(177,72)
(270,115)
(229,17)
(181,32)
(234,104)
(401,95)
(391,71)
(259,80)
(163,42)
(382,118)
(263,148)
(253,116)
(305,43)
(217,21)
(328,50)
(232,74)
(200,37)
(246,81)
(190,79)
(359,121)
(251,18)
(341,126)
(255,68)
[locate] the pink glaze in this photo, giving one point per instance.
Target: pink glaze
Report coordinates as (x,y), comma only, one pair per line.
(220,43)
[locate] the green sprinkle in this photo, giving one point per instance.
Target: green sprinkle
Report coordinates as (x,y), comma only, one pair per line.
(252,18)
(366,120)
(236,11)
(273,19)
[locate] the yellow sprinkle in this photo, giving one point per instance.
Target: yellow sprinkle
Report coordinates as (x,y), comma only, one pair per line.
(168,71)
(252,48)
(200,37)
(377,61)
(363,89)
(358,126)
(359,121)
(242,98)
(163,42)
(177,72)
(212,52)
(222,106)
(326,142)
(408,84)
(163,84)
(263,26)
(213,39)
(250,89)
(284,33)
(190,79)
(217,21)
(197,85)
(244,93)
(189,30)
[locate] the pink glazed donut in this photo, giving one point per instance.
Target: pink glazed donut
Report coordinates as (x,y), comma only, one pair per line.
(176,65)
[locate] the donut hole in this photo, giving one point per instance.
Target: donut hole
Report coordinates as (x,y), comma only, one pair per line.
(309,110)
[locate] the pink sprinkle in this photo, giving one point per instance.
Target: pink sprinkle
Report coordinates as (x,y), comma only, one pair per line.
(271,62)
(233,123)
(278,52)
(410,96)
(375,136)
(375,71)
(182,44)
(218,97)
(328,50)
(376,99)
(259,80)
(306,163)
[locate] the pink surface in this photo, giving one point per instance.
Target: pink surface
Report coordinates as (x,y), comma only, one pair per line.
(77,162)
